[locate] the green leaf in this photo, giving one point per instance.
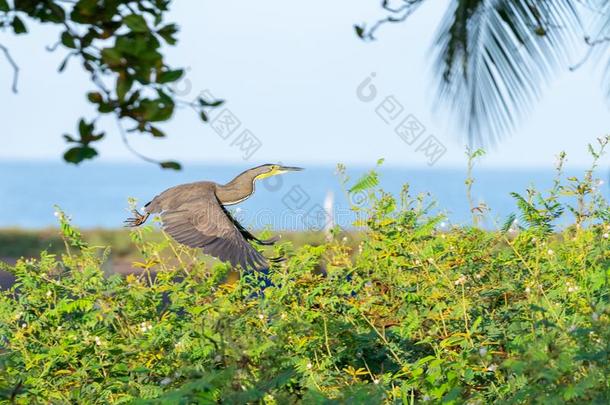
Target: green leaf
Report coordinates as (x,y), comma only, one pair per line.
(171,165)
(111,56)
(84,129)
(203,116)
(136,23)
(170,76)
(205,103)
(359,31)
(68,40)
(4,6)
(366,182)
(95,97)
(167,33)
(18,26)
(156,132)
(123,85)
(78,154)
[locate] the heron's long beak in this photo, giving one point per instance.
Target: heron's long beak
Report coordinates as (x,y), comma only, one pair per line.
(290,168)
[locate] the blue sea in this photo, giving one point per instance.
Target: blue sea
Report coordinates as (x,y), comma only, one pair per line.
(95,195)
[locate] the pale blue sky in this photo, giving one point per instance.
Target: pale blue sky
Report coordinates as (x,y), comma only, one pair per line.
(289,72)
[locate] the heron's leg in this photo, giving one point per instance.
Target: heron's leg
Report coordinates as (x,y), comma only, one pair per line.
(137,220)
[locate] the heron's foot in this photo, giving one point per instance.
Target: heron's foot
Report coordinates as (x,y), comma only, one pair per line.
(137,220)
(268,242)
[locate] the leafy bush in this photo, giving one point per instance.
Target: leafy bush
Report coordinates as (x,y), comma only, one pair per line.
(421,311)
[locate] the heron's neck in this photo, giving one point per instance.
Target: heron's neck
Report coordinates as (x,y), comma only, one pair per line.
(237,190)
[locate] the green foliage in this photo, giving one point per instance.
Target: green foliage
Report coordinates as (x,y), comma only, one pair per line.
(120,44)
(416,312)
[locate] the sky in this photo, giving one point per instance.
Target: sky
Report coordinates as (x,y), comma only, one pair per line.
(290,73)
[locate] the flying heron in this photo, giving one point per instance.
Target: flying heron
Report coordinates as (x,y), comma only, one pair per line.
(194,214)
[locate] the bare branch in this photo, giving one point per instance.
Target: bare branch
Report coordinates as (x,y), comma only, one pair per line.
(404,12)
(592,44)
(11,61)
(123,133)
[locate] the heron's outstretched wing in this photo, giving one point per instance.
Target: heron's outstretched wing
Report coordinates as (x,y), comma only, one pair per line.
(203,223)
(246,234)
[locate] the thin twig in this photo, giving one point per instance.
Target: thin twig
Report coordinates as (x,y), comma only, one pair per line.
(407,9)
(11,61)
(130,148)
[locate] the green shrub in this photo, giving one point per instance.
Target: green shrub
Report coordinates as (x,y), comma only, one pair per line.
(421,311)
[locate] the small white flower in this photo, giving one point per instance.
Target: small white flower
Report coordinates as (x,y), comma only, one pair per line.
(145,326)
(482,351)
(534,239)
(98,341)
(606,235)
(218,358)
(572,289)
(431,260)
(492,367)
(527,290)
(418,262)
(261,316)
(344,239)
(283,316)
(24,325)
(309,366)
(165,381)
(478,276)
(572,328)
(460,280)
(49,293)
(368,284)
(550,252)
(376,381)
(426,398)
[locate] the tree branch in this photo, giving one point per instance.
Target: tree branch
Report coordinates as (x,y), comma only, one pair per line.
(406,9)
(11,61)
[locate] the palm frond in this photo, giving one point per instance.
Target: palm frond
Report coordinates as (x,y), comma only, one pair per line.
(599,41)
(494,56)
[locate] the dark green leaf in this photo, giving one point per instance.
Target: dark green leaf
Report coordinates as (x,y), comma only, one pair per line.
(4,6)
(94,97)
(171,165)
(359,31)
(170,76)
(84,129)
(79,153)
(111,56)
(205,103)
(156,132)
(203,116)
(136,23)
(18,26)
(167,33)
(68,40)
(123,86)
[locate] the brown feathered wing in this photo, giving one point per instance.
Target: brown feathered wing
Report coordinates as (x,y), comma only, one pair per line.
(204,223)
